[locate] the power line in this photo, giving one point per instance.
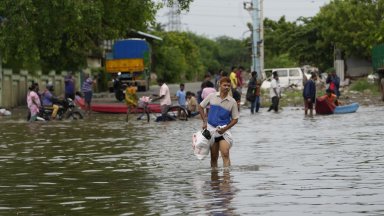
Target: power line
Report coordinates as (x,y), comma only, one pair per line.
(215,26)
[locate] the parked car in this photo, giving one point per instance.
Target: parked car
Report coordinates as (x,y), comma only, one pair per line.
(288,77)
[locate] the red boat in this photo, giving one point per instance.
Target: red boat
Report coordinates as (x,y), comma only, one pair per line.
(117,107)
(323,107)
(122,108)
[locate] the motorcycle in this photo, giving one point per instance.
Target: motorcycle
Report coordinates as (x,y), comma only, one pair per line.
(67,110)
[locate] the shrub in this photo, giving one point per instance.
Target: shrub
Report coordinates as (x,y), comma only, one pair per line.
(362,85)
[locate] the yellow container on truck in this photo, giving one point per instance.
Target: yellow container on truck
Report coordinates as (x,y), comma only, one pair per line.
(124,65)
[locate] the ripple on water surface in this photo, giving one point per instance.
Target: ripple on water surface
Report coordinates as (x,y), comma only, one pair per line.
(282,164)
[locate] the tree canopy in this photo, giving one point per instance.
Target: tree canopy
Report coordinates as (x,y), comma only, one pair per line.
(354,26)
(60,34)
(185,56)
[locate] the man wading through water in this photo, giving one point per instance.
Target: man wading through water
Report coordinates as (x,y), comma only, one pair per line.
(223,115)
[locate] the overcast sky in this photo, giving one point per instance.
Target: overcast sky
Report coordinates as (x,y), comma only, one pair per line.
(215,18)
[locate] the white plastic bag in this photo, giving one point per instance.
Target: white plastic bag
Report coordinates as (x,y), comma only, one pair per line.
(201,145)
(143,101)
(227,135)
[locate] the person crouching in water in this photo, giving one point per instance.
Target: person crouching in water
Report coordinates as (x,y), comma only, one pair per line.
(223,115)
(331,98)
(192,108)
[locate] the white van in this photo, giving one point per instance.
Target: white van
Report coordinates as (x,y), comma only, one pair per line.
(288,77)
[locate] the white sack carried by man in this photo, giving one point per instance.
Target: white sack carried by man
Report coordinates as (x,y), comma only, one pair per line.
(227,135)
(201,143)
(202,140)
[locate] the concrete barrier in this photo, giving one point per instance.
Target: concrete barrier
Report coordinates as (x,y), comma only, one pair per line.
(14,86)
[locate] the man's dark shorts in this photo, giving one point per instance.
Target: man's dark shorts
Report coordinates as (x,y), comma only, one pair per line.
(88,97)
(218,139)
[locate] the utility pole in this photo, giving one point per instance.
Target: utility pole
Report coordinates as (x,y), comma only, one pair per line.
(255,8)
(255,36)
(261,44)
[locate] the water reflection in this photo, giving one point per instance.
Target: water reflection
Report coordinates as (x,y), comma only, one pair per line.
(282,164)
(222,193)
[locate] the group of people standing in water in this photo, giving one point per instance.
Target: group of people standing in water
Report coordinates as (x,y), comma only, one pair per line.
(331,96)
(217,103)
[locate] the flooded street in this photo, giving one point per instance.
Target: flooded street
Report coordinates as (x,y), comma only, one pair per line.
(282,164)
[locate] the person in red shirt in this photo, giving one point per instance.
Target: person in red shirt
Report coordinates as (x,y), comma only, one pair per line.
(331,97)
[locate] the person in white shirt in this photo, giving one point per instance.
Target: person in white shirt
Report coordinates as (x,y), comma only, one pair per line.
(165,99)
(275,93)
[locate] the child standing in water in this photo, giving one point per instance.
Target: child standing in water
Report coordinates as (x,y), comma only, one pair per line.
(130,98)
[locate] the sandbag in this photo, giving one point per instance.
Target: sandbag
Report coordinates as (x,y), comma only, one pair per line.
(201,145)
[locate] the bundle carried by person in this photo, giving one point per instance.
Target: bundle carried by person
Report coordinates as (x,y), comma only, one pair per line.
(144,101)
(202,140)
(201,143)
(227,135)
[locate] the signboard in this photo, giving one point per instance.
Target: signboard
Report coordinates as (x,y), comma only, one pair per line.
(378,57)
(124,65)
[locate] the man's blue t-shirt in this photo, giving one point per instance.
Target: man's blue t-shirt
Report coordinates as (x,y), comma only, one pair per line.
(47,98)
(69,85)
(181,97)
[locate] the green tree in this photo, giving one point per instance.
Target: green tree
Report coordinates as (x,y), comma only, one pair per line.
(61,34)
(233,52)
(186,56)
(292,44)
(278,38)
(176,57)
(209,52)
(308,45)
(184,4)
(353,26)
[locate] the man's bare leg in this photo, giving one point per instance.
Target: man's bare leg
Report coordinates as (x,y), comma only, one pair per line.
(224,150)
(214,154)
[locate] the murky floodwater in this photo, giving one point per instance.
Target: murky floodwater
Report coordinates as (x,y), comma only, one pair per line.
(283,164)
